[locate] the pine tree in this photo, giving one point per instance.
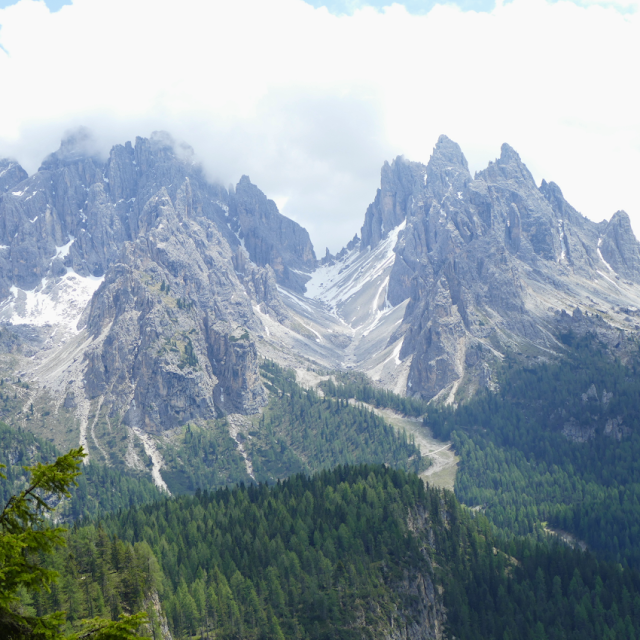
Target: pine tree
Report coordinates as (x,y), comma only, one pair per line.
(25,533)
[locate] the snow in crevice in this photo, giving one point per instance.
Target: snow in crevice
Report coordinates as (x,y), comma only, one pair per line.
(63,251)
(609,279)
(223,206)
(336,283)
(563,241)
(379,313)
(603,260)
(395,354)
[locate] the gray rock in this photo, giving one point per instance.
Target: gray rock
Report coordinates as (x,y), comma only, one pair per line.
(11,175)
(145,219)
(271,238)
(476,253)
(620,248)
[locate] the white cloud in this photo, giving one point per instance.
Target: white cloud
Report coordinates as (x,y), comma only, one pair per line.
(310,104)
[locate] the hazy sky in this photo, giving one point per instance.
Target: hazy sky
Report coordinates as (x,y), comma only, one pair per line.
(309,99)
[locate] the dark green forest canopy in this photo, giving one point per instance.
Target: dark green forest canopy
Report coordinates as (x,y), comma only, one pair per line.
(311,432)
(558,443)
(327,556)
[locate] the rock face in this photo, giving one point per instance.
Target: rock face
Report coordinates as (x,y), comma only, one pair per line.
(171,328)
(271,238)
(484,262)
(142,294)
(620,249)
(11,174)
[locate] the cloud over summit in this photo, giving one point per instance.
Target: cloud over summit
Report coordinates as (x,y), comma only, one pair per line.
(310,104)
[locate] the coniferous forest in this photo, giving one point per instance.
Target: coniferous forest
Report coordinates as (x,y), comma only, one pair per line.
(348,553)
(339,538)
(101,489)
(557,445)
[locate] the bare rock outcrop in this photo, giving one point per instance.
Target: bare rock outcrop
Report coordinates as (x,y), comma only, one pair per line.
(476,258)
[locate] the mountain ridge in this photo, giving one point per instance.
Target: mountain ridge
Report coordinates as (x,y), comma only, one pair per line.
(142,297)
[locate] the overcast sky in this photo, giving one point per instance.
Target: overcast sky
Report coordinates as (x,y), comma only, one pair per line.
(309,99)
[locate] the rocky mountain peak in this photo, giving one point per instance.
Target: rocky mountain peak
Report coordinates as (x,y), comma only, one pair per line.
(77,145)
(180,285)
(508,167)
(447,171)
(447,151)
(400,181)
(271,238)
(11,174)
(619,247)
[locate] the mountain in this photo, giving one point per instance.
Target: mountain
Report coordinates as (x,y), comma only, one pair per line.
(138,298)
(187,334)
(167,337)
(452,272)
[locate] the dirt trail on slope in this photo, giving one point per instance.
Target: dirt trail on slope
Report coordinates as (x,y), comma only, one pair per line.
(444,462)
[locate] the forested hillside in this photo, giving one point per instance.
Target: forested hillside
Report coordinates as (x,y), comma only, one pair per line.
(558,444)
(358,386)
(355,552)
(298,431)
(308,432)
(101,489)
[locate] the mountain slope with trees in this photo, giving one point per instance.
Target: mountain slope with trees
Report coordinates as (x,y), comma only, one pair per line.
(558,443)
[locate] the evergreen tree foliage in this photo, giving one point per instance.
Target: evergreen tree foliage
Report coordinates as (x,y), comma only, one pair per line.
(302,558)
(304,432)
(520,461)
(101,489)
(26,541)
(358,386)
(329,556)
(299,431)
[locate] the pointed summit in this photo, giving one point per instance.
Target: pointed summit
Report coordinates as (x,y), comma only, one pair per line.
(77,144)
(450,152)
(11,174)
(447,170)
(508,166)
(398,183)
(619,248)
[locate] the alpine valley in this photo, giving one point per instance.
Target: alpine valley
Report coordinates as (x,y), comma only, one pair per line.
(479,333)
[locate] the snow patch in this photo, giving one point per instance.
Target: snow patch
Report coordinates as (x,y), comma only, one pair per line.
(336,283)
(223,206)
(603,260)
(563,241)
(53,302)
(63,251)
